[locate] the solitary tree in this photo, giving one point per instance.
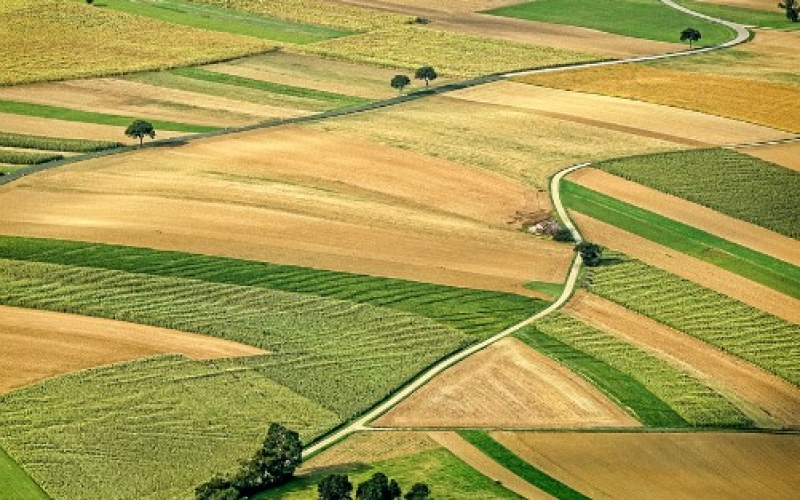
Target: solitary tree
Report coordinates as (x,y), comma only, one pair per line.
(335,487)
(426,73)
(690,34)
(419,491)
(792,9)
(399,82)
(591,253)
(140,128)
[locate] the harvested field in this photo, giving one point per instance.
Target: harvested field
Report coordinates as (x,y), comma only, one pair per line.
(34,125)
(766,399)
(706,274)
(515,142)
(369,447)
(636,118)
(761,103)
(710,465)
(507,385)
(732,229)
(264,195)
(42,344)
(786,155)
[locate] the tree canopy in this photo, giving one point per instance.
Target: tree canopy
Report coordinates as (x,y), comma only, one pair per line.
(792,9)
(426,73)
(335,487)
(140,128)
(399,82)
(591,253)
(690,34)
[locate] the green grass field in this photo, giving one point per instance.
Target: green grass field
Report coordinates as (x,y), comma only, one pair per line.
(212,18)
(74,115)
(14,157)
(16,484)
(505,457)
(647,19)
(694,401)
(734,327)
(54,143)
(768,271)
(621,387)
(733,183)
(775,18)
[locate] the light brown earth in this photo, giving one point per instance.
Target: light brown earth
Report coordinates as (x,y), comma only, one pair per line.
(650,120)
(42,344)
(508,384)
(769,400)
(461,17)
(767,5)
(34,125)
(707,465)
(692,214)
(297,196)
(475,458)
(787,155)
(708,275)
(122,97)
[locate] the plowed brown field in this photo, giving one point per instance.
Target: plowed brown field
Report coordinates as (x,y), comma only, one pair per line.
(34,125)
(301,197)
(787,155)
(723,466)
(708,275)
(711,221)
(42,344)
(765,398)
(507,385)
(640,118)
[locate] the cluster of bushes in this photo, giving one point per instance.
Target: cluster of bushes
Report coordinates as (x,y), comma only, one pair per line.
(378,487)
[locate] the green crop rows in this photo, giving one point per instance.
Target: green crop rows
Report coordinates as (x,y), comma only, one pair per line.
(755,336)
(54,143)
(733,183)
(692,400)
(27,157)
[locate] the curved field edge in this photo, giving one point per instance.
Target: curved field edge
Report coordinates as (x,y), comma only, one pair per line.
(16,483)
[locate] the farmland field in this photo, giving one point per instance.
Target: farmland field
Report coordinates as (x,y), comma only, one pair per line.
(727,181)
(785,155)
(766,15)
(713,465)
(17,485)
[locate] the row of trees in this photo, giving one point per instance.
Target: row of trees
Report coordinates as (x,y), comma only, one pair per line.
(426,73)
(378,487)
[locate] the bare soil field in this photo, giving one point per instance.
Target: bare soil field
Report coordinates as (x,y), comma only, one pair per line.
(516,142)
(34,125)
(787,155)
(732,229)
(748,4)
(476,459)
(369,447)
(762,103)
(663,465)
(765,398)
(296,196)
(507,385)
(114,96)
(462,17)
(708,275)
(42,344)
(640,118)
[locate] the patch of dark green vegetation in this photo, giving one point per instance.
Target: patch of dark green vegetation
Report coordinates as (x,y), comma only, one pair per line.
(477,312)
(619,386)
(506,458)
(755,266)
(730,182)
(27,157)
(55,143)
(74,115)
(275,88)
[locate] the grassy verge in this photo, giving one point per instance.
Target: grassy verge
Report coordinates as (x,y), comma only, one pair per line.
(212,18)
(621,387)
(550,289)
(730,182)
(275,88)
(16,483)
(27,157)
(649,19)
(775,18)
(506,458)
(755,266)
(74,115)
(762,339)
(54,143)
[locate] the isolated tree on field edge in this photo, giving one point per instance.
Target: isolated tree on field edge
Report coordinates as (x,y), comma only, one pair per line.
(399,82)
(140,128)
(792,9)
(591,253)
(690,34)
(426,73)
(420,491)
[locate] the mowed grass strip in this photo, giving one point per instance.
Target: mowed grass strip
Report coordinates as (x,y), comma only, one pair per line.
(506,458)
(27,157)
(694,401)
(775,18)
(755,266)
(209,17)
(74,115)
(152,428)
(55,143)
(16,483)
(478,313)
(757,337)
(251,83)
(730,182)
(621,387)
(649,19)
